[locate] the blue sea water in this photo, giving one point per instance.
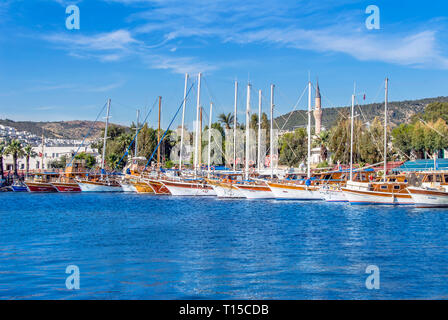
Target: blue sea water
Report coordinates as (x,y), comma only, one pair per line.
(159,247)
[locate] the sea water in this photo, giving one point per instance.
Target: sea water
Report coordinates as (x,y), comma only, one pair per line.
(130,246)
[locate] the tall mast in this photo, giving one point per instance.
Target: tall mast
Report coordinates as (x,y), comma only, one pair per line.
(209,138)
(309,131)
(351,137)
(158,132)
(200,138)
(259,131)
(43,146)
(103,158)
(234,125)
(272,132)
(183,120)
(385,128)
(136,134)
(247,130)
(196,143)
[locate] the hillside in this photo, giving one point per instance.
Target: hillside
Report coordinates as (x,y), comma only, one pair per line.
(62,129)
(399,112)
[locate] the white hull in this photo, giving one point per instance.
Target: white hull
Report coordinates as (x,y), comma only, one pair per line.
(256,194)
(128,187)
(223,192)
(295,194)
(431,199)
(87,187)
(372,198)
(188,189)
(333,195)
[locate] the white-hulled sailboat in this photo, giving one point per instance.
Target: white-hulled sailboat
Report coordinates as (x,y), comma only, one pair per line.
(389,191)
(192,186)
(104,184)
(304,189)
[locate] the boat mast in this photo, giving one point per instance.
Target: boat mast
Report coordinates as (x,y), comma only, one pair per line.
(209,138)
(158,133)
(103,158)
(272,133)
(43,146)
(200,140)
(309,130)
(183,120)
(259,131)
(247,130)
(351,136)
(136,133)
(385,128)
(234,125)
(196,143)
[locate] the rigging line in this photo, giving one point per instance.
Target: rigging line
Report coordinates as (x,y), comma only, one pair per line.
(168,128)
(297,103)
(135,136)
(85,137)
(280,93)
(212,97)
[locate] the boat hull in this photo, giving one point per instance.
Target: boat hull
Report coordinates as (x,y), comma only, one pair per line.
(19,188)
(158,187)
(40,187)
(284,191)
(429,198)
(67,187)
(128,187)
(188,189)
(256,191)
(143,187)
(374,197)
(227,191)
(91,187)
(333,195)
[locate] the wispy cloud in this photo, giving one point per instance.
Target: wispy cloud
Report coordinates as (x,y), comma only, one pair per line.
(160,28)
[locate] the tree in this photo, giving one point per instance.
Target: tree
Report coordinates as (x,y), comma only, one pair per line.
(15,149)
(226,119)
(322,141)
(89,159)
(29,153)
(293,147)
(371,144)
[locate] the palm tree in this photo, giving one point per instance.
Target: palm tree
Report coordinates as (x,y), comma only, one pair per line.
(15,149)
(29,153)
(2,153)
(226,119)
(322,141)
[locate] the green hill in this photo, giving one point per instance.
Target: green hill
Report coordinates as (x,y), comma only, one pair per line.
(399,112)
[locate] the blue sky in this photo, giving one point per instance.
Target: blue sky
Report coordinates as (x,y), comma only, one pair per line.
(135,50)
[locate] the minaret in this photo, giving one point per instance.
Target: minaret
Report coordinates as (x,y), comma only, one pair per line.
(317,111)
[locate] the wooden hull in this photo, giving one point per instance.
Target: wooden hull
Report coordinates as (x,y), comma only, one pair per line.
(226,190)
(429,198)
(142,187)
(182,188)
(158,187)
(256,191)
(40,187)
(66,187)
(294,192)
(376,197)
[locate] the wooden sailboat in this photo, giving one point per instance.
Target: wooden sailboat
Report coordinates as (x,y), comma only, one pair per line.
(104,183)
(433,191)
(191,186)
(302,189)
(389,191)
